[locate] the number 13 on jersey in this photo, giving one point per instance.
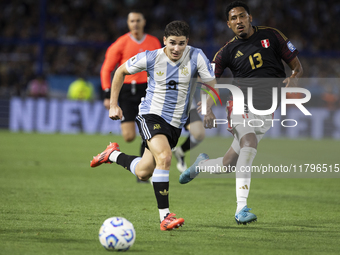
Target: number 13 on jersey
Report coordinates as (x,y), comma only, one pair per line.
(258,60)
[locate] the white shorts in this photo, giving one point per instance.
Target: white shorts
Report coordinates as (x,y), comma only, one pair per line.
(240,125)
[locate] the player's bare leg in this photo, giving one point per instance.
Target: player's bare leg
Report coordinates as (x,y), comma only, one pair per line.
(145,166)
(128,130)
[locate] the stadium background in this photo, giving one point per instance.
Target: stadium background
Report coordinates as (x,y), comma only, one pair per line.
(53,202)
(63,40)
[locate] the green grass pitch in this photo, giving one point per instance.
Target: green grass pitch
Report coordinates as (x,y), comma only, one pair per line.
(52,202)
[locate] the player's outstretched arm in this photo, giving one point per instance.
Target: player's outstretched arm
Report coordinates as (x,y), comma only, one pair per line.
(297,72)
(209,118)
(115,112)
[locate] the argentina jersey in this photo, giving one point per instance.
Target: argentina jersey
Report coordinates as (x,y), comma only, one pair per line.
(170,84)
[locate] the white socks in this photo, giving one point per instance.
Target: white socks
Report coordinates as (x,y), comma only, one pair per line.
(134,164)
(180,151)
(114,155)
(163,213)
(213,165)
(243,175)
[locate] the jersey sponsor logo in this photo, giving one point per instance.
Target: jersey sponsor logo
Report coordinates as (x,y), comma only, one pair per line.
(185,71)
(172,85)
(290,46)
(238,54)
(156,126)
(160,73)
(265,43)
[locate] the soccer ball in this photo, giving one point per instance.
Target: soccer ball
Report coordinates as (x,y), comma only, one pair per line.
(117,234)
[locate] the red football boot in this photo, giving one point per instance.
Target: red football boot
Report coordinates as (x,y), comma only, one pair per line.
(104,156)
(170,222)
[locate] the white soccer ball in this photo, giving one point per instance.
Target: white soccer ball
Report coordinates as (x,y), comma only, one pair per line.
(117,234)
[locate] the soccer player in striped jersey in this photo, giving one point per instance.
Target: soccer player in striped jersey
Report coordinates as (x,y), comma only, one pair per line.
(254,56)
(125,47)
(162,113)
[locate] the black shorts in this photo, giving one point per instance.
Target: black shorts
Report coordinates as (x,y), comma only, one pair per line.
(129,100)
(151,124)
(193,116)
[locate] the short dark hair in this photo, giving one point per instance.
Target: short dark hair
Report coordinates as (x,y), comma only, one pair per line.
(136,11)
(177,28)
(234,4)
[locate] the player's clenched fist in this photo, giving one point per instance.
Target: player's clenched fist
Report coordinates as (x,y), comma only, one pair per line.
(115,113)
(209,120)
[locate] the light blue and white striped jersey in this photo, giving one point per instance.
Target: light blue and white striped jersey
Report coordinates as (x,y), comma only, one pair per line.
(170,84)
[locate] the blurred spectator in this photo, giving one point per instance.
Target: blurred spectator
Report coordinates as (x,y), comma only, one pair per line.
(330,98)
(313,86)
(80,89)
(38,87)
(5,90)
(77,33)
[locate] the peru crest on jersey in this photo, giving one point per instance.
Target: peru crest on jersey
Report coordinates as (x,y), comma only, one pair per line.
(265,43)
